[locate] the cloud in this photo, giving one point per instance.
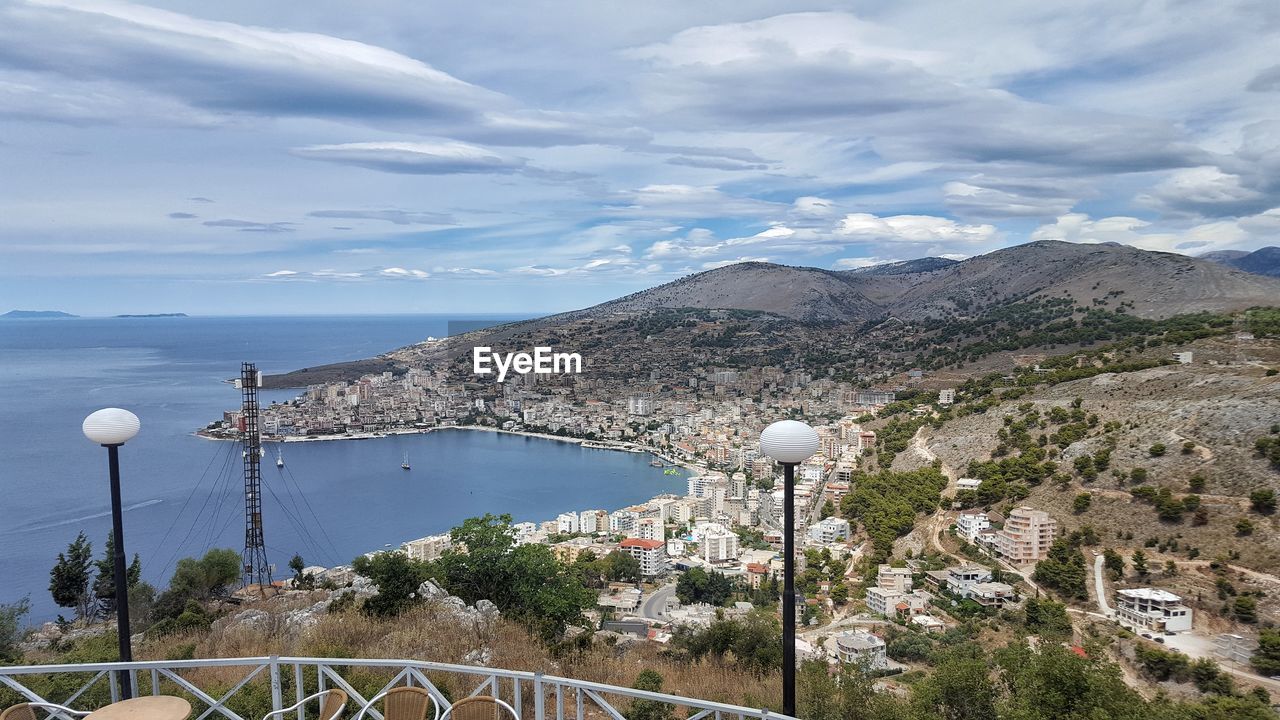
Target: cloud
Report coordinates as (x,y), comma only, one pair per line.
(996,198)
(251,226)
(181,215)
(225,67)
(1245,233)
(1205,191)
(855,263)
(673,201)
(912,229)
(415,158)
(281,273)
(712,163)
(399,272)
(395,217)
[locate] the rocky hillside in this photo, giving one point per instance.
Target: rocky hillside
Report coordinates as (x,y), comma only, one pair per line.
(759,312)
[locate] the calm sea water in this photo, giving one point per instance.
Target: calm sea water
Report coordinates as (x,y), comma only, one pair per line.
(183,494)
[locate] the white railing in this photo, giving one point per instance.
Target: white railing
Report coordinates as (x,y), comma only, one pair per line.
(530,693)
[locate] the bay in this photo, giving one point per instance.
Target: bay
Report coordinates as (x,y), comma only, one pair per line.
(183,494)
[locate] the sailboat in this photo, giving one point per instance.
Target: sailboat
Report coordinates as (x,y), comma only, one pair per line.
(279,458)
(405,465)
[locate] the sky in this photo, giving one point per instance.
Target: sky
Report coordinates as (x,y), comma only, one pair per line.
(242,157)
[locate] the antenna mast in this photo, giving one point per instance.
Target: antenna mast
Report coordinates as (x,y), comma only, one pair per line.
(256,569)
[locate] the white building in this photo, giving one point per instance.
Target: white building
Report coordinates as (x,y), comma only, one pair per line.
(718,546)
(862,648)
(947,396)
(1152,609)
(648,529)
(969,525)
(1026,536)
(593,521)
(962,578)
(427,548)
(991,594)
(567,523)
(892,578)
(1183,358)
(652,554)
(968,483)
(881,601)
(641,404)
(622,521)
(831,530)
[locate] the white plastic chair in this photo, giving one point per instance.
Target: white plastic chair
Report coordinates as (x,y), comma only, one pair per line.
(330,708)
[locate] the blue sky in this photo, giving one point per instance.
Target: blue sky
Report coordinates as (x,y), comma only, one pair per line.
(247,157)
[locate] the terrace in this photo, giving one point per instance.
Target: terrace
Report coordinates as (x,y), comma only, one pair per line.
(248,688)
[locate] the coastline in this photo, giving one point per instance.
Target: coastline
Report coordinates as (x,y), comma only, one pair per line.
(614,445)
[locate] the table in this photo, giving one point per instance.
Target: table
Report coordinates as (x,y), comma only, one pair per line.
(151,707)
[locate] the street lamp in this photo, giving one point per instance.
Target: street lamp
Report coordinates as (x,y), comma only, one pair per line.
(790,443)
(111,428)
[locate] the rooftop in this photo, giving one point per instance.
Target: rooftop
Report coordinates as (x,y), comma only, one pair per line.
(1153,594)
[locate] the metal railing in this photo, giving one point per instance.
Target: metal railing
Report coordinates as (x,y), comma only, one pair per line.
(537,696)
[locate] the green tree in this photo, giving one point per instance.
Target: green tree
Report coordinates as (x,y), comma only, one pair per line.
(1082,502)
(11,615)
(397,577)
(1263,501)
(1063,569)
(960,688)
(104,584)
(1245,608)
(69,580)
(1266,658)
(1196,483)
(621,567)
(1157,450)
(1113,562)
(1139,560)
(650,680)
(526,582)
(1244,526)
(210,576)
(302,580)
(697,585)
(1046,618)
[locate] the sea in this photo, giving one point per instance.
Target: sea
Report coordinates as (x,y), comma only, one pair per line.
(182,494)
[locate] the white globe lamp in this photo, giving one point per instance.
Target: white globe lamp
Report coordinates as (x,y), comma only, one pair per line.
(111,426)
(789,442)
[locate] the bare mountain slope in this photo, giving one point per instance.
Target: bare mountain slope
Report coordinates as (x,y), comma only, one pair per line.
(1152,284)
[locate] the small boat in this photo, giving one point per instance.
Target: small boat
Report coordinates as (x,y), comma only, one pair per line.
(279,458)
(655,463)
(405,465)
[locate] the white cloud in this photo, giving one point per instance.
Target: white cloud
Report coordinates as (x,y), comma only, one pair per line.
(912,229)
(854,263)
(1197,239)
(415,158)
(281,273)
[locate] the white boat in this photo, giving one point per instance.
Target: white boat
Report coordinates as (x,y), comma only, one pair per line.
(279,458)
(405,465)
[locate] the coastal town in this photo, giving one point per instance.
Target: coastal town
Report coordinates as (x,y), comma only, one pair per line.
(729,521)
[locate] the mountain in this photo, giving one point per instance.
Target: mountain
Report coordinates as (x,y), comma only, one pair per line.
(904,267)
(30,314)
(1150,284)
(925,312)
(1263,261)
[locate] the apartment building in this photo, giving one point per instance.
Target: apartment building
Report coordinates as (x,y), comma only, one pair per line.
(622,521)
(427,548)
(567,523)
(1153,609)
(892,578)
(862,648)
(718,546)
(648,529)
(1026,536)
(969,525)
(652,555)
(962,578)
(991,594)
(831,530)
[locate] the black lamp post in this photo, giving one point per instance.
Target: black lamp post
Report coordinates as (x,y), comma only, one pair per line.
(790,443)
(111,428)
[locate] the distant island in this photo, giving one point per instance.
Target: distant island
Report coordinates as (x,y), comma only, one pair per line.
(153,315)
(27,314)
